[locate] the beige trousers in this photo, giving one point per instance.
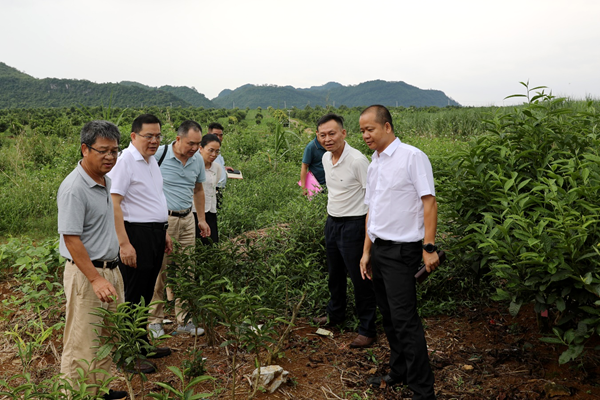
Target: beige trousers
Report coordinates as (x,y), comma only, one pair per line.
(79,337)
(183,230)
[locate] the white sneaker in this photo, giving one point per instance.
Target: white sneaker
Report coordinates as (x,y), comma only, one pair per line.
(156,330)
(191,329)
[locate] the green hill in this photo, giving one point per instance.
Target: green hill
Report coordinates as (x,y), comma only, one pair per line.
(333,93)
(51,92)
(10,72)
(189,95)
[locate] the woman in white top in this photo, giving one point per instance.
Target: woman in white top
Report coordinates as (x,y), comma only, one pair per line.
(210,148)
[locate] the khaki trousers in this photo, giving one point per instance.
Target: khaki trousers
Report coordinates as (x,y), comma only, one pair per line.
(181,229)
(79,337)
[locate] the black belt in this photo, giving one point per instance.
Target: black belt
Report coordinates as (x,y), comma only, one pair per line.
(159,226)
(181,213)
(102,264)
(344,219)
(381,242)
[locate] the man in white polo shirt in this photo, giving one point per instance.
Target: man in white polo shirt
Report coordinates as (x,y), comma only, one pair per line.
(182,169)
(346,176)
(401,229)
(141,216)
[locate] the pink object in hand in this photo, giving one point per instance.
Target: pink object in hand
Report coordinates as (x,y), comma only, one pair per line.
(312,185)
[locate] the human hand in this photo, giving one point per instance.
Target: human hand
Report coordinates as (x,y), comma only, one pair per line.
(204,228)
(431,260)
(168,244)
(104,290)
(365,266)
(128,255)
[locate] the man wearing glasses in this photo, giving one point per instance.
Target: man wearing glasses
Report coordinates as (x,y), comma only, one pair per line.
(183,172)
(89,244)
(140,210)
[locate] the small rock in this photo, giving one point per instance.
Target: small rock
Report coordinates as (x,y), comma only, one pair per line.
(271,377)
(554,390)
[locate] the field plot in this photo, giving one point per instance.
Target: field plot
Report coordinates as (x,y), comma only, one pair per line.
(513,314)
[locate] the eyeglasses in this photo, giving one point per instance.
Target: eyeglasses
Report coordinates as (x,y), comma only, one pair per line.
(114,153)
(213,151)
(151,137)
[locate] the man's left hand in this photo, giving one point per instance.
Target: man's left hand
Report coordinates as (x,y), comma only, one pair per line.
(204,228)
(431,260)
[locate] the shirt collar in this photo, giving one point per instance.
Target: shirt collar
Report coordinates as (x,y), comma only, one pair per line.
(390,149)
(318,144)
(344,153)
(88,179)
(137,156)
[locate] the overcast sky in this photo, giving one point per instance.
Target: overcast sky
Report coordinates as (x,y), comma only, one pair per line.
(476,51)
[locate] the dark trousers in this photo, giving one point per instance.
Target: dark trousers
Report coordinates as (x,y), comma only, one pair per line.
(394,267)
(149,245)
(344,241)
(211,220)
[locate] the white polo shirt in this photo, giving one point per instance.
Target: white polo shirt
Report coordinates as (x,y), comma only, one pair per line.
(141,185)
(397,179)
(346,183)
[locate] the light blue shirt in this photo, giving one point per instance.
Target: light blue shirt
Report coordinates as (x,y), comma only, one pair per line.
(180,180)
(221,161)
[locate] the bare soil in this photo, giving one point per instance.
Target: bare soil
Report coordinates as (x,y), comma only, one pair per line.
(477,354)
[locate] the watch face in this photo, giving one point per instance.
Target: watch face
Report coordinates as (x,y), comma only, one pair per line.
(430,248)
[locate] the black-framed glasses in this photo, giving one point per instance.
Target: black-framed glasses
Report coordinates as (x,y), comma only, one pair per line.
(151,137)
(114,153)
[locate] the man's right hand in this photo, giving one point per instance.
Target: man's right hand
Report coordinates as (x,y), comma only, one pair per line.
(128,255)
(104,290)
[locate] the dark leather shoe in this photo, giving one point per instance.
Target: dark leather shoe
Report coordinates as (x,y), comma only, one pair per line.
(159,352)
(362,341)
(142,366)
(115,395)
(383,381)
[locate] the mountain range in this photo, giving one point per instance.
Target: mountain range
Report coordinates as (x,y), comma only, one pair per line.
(19,90)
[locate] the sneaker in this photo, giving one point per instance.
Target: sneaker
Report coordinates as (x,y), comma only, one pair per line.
(191,329)
(156,330)
(115,395)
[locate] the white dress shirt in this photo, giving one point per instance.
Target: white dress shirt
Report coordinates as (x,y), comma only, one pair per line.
(141,185)
(396,180)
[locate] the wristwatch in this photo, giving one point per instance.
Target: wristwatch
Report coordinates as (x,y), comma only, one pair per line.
(429,247)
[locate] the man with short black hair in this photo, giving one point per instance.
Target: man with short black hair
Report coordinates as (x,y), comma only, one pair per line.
(140,210)
(401,229)
(182,169)
(346,175)
(88,242)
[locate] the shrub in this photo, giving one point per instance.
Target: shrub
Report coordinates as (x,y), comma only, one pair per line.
(525,203)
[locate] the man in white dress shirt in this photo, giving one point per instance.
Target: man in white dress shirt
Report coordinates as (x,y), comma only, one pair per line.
(401,229)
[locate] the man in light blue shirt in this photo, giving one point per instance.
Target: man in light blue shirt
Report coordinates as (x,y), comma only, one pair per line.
(182,169)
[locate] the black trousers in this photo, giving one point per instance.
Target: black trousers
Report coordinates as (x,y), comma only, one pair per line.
(149,245)
(211,220)
(344,241)
(394,267)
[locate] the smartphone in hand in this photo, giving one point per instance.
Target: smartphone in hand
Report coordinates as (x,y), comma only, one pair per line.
(422,273)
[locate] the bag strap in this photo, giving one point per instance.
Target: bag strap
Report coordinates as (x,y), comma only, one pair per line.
(163,154)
